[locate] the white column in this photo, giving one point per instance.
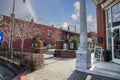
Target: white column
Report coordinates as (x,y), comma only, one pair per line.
(83,56)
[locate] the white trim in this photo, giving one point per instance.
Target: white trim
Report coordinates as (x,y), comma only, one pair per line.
(106,3)
(97,1)
(106,27)
(115,2)
(112,46)
(114,59)
(112,28)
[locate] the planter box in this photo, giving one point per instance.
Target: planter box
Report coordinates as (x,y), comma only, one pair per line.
(107,56)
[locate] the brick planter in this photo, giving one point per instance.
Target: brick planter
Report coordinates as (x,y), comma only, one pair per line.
(65,53)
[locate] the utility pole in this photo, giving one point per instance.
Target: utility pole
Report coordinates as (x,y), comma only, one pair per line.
(11,29)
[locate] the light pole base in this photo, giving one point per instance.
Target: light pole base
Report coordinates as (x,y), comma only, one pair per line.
(83,60)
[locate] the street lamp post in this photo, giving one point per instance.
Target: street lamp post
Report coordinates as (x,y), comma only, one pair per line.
(11,29)
(75,28)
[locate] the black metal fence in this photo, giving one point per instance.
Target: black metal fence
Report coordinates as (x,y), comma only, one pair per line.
(26,59)
(22,59)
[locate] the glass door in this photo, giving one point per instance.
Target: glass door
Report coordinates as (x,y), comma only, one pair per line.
(116,45)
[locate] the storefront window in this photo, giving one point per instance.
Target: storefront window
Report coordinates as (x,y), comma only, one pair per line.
(116,14)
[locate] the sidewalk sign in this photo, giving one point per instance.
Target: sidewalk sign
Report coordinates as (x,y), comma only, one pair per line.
(98,52)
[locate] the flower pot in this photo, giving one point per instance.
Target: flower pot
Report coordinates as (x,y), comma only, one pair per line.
(107,55)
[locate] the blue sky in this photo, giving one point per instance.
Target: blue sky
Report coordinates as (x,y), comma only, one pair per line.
(58,12)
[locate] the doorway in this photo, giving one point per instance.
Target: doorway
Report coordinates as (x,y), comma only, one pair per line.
(116,45)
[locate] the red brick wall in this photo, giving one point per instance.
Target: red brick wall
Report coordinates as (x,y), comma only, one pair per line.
(101,26)
(29,28)
(92,34)
(59,44)
(65,53)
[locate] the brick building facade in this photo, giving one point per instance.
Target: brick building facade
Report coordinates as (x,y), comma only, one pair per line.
(26,31)
(108,26)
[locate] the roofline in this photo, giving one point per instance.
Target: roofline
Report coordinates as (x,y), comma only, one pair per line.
(98,1)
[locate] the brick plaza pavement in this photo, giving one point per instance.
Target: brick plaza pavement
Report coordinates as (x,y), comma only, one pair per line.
(61,69)
(55,69)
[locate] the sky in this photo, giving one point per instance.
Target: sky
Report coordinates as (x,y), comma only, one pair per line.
(61,13)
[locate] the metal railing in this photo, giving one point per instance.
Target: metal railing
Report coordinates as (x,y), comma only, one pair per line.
(26,60)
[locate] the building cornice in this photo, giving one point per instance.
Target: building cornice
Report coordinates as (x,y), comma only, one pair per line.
(106,3)
(98,1)
(109,4)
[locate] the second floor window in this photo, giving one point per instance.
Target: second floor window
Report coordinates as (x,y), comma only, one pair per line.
(19,30)
(49,33)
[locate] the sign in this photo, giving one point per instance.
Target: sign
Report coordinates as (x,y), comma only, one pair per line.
(98,52)
(71,45)
(1,37)
(109,40)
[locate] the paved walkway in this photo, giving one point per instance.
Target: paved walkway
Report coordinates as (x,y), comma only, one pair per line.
(55,69)
(62,69)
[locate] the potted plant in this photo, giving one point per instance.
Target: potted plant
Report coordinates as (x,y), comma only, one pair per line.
(107,54)
(37,44)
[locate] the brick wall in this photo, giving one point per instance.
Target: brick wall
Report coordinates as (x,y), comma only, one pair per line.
(101,26)
(26,33)
(65,53)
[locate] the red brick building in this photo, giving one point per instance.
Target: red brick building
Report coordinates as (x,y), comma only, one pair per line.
(26,31)
(108,26)
(93,36)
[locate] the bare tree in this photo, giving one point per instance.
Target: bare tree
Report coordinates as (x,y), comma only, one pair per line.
(25,31)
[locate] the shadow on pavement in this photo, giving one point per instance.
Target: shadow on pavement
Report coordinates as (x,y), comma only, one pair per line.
(77,75)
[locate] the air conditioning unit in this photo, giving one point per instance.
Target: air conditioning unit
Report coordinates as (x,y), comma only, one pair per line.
(1,17)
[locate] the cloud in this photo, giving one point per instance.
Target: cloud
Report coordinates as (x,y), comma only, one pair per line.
(64,25)
(78,13)
(90,18)
(76,6)
(91,23)
(74,17)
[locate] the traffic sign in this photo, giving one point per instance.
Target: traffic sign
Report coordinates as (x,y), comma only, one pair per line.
(1,37)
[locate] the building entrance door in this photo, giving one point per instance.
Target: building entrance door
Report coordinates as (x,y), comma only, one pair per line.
(116,45)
